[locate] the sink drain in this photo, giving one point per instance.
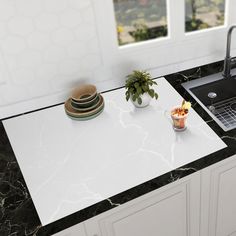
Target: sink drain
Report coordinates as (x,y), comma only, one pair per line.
(212,95)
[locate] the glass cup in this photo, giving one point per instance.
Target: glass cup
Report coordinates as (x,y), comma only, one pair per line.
(179,120)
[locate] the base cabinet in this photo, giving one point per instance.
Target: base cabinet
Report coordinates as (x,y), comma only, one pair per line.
(201,204)
(172,210)
(76,230)
(219,199)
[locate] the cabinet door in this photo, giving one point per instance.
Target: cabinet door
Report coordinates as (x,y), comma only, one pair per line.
(219,199)
(77,230)
(170,211)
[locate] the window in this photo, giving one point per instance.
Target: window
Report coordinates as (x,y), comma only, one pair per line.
(140,20)
(176,49)
(203,14)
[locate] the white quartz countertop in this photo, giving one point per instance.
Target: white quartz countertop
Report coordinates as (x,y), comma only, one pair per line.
(69,165)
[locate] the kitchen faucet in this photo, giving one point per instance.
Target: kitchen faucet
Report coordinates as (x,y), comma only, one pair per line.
(228,59)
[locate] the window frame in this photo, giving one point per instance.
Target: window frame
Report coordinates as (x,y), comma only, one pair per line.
(166,54)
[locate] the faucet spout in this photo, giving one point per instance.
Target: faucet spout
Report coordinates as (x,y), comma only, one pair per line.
(227,61)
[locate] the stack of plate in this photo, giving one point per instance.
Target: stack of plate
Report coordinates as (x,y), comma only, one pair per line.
(85,103)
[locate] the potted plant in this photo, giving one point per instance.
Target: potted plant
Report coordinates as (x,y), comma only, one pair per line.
(138,88)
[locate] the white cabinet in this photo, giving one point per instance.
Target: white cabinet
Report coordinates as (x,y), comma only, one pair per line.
(201,204)
(77,230)
(171,210)
(219,199)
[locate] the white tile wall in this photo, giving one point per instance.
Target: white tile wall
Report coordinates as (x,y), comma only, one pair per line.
(46,46)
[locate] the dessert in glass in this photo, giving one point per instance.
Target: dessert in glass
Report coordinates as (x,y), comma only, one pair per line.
(179,115)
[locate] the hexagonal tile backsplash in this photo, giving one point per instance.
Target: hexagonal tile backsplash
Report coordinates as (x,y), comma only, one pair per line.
(45,47)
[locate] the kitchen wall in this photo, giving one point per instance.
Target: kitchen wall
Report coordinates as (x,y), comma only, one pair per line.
(49,46)
(46,46)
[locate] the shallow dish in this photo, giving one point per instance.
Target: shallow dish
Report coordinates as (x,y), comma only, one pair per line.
(81,109)
(83,93)
(88,117)
(82,114)
(88,104)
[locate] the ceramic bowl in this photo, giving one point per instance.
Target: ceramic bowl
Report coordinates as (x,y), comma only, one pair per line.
(84,93)
(86,118)
(83,114)
(93,105)
(88,104)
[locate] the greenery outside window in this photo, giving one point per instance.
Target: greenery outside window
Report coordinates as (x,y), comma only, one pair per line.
(203,14)
(140,20)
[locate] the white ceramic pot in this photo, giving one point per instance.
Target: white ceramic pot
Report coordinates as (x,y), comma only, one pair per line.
(146,99)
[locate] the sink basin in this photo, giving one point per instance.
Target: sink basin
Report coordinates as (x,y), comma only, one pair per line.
(223,89)
(217,96)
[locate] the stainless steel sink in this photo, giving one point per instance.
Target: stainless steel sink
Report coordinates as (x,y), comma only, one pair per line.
(217,96)
(217,93)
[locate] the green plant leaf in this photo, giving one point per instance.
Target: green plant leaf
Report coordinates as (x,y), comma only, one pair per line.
(134,97)
(136,85)
(137,94)
(127,97)
(156,95)
(151,92)
(139,90)
(139,100)
(145,88)
(154,82)
(131,90)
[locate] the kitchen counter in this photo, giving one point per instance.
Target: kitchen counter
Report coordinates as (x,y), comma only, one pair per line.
(71,182)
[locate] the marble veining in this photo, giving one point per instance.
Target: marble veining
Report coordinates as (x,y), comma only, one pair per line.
(18,215)
(70,165)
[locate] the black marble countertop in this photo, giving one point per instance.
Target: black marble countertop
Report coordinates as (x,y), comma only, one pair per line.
(18,216)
